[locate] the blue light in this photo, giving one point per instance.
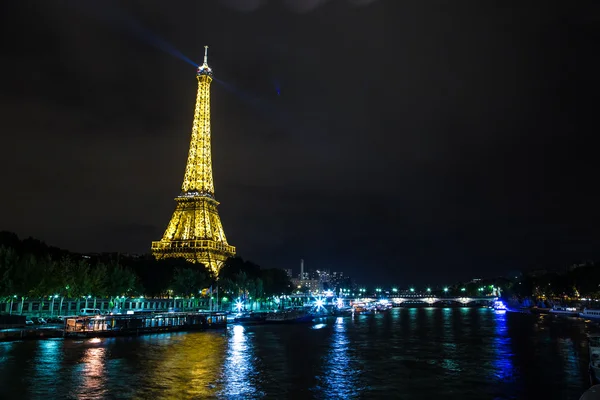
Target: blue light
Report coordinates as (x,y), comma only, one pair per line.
(499,305)
(504,370)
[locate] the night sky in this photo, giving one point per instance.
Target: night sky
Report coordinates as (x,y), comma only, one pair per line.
(415,142)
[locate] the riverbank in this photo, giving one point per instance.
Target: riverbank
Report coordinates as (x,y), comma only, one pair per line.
(32,333)
(117,325)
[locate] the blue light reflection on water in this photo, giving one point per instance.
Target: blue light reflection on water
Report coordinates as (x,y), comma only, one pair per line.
(460,353)
(338,379)
(5,351)
(240,365)
(47,361)
(503,368)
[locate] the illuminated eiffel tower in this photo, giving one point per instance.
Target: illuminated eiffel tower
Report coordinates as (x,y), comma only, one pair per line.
(195,231)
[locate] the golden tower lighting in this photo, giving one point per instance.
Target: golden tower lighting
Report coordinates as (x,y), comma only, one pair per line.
(195,231)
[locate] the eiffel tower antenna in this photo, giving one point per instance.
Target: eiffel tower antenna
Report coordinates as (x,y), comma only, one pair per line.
(195,231)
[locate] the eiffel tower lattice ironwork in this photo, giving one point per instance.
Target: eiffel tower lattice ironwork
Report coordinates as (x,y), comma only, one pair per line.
(195,231)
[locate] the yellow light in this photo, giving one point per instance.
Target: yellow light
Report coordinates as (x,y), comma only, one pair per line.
(195,231)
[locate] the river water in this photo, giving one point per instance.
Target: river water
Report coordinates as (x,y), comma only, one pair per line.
(417,353)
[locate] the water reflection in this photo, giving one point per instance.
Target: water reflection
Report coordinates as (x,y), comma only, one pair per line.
(239,368)
(452,353)
(92,372)
(5,349)
(46,364)
(182,365)
(570,358)
(337,379)
(503,368)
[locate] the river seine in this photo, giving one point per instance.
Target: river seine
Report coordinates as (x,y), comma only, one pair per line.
(418,353)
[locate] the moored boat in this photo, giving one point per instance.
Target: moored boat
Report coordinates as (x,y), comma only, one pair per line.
(289,316)
(136,324)
(565,311)
(343,311)
(590,314)
(250,318)
(499,305)
(364,310)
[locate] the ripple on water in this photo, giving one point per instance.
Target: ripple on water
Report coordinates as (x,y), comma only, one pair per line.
(406,354)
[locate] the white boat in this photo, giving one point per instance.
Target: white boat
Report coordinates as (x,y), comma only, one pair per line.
(499,305)
(590,314)
(566,311)
(594,350)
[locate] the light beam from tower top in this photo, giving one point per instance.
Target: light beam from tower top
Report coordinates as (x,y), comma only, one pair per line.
(204,69)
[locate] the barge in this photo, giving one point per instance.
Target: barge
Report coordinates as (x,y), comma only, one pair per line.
(137,324)
(565,311)
(250,318)
(289,316)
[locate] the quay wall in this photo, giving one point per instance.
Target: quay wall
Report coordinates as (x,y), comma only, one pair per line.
(56,307)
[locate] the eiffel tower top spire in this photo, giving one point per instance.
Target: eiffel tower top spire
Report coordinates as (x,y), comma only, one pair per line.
(198,178)
(204,69)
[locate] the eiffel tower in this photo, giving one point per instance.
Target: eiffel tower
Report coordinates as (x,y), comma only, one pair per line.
(195,231)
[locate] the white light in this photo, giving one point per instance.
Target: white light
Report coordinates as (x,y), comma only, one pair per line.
(319,303)
(239,305)
(238,329)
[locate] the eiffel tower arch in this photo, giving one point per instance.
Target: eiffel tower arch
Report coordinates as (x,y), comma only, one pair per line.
(195,231)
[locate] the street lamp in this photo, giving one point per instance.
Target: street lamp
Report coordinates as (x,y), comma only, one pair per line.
(412,289)
(52,306)
(394,290)
(428,290)
(445,290)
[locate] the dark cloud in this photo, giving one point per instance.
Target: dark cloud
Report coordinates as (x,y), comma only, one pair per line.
(299,6)
(244,5)
(404,141)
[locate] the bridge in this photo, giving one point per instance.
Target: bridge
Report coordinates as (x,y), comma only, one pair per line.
(399,300)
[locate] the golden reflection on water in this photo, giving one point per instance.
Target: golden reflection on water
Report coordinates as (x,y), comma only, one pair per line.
(93,376)
(379,356)
(183,366)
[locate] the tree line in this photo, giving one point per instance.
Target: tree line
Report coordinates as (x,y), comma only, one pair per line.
(31,269)
(581,281)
